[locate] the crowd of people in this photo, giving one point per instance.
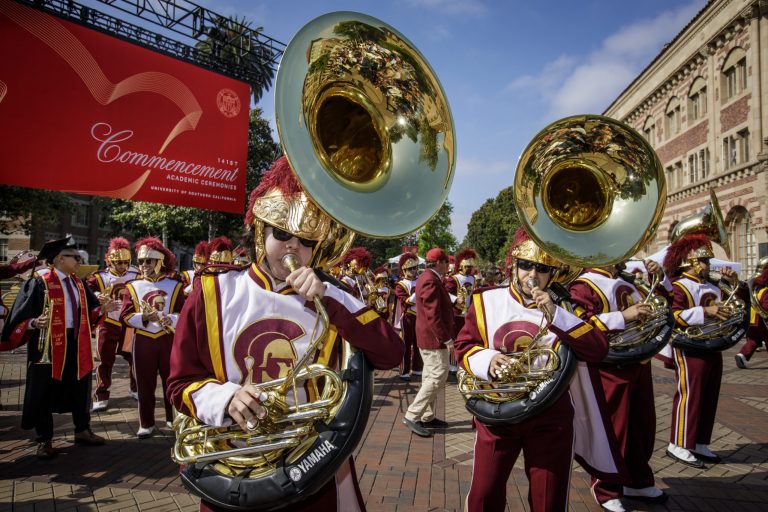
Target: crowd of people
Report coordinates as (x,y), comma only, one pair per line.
(243,317)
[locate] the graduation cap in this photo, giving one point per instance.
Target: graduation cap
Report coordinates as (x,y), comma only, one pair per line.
(52,248)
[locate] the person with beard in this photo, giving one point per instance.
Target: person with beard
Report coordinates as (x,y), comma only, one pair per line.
(64,384)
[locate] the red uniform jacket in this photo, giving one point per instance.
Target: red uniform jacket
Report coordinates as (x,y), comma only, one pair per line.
(434,312)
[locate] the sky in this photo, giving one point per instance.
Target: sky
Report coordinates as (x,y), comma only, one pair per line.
(508,67)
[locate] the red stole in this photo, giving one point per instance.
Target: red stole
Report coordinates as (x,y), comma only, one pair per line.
(58,328)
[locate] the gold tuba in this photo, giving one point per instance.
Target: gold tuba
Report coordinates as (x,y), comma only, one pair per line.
(714,334)
(589,191)
(363,121)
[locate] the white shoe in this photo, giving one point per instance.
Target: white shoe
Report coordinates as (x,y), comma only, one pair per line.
(741,361)
(145,433)
(134,394)
(683,455)
(614,505)
(169,424)
(645,492)
(100,405)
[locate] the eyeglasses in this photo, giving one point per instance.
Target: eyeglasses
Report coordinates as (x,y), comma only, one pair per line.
(284,236)
(528,265)
(77,257)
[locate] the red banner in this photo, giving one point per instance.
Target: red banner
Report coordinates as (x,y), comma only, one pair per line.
(84,112)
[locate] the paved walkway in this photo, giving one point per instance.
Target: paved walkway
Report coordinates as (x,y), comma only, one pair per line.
(397,471)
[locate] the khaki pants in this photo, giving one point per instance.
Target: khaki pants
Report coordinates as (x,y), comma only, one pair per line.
(433,378)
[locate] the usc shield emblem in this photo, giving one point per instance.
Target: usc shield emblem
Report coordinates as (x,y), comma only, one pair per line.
(264,350)
(514,336)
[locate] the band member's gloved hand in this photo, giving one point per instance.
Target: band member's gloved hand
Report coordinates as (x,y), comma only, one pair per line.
(497,362)
(636,312)
(245,406)
(543,302)
(716,311)
(154,316)
(730,275)
(109,306)
(306,283)
(653,268)
(103,298)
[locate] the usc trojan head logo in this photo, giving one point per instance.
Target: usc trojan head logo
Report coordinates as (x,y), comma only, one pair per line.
(514,336)
(708,299)
(156,299)
(264,350)
(623,296)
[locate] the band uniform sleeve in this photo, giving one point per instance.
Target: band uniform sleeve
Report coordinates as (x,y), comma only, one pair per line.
(401,294)
(440,325)
(27,306)
(471,346)
(179,297)
(363,328)
(15,268)
(94,306)
(589,343)
(683,308)
(193,387)
(589,306)
(130,311)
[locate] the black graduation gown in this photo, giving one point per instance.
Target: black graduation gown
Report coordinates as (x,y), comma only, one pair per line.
(40,385)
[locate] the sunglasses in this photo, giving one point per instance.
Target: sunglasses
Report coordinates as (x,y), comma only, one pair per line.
(142,261)
(528,265)
(705,261)
(121,262)
(284,236)
(77,257)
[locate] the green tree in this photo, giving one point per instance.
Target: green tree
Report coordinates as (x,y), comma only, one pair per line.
(383,249)
(28,209)
(437,232)
(492,227)
(228,40)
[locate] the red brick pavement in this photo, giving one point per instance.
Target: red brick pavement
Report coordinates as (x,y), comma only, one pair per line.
(397,471)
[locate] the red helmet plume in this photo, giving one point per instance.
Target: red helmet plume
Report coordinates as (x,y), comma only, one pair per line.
(682,250)
(201,252)
(120,247)
(359,254)
(465,255)
(279,176)
(411,259)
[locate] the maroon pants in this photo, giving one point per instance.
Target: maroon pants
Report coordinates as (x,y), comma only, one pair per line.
(152,356)
(756,336)
(412,358)
(109,343)
(630,404)
(695,403)
(546,441)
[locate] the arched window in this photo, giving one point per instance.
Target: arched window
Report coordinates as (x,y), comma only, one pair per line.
(697,101)
(742,239)
(672,118)
(649,131)
(733,79)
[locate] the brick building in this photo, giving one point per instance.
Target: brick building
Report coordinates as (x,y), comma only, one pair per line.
(703,105)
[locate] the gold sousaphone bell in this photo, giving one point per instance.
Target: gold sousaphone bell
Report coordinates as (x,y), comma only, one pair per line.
(590,190)
(365,124)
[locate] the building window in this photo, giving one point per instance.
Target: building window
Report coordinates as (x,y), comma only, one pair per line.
(679,174)
(734,75)
(649,131)
(697,100)
(672,118)
(671,177)
(80,215)
(3,250)
(698,166)
(742,238)
(736,149)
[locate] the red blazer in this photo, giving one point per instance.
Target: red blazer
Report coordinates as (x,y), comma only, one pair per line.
(434,312)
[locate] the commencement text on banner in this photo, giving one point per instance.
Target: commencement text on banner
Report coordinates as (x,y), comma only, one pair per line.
(84,112)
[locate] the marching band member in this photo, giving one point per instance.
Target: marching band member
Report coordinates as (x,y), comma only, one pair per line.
(221,251)
(698,373)
(64,384)
(381,283)
(757,333)
(461,285)
(151,307)
(609,302)
(503,320)
(19,264)
(105,284)
(356,262)
(405,314)
(434,337)
(266,298)
(199,261)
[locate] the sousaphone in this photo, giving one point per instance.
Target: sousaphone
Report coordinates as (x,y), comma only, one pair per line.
(364,123)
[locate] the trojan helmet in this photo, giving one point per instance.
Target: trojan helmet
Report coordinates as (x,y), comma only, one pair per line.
(151,247)
(685,253)
(119,250)
(221,251)
(465,259)
(201,253)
